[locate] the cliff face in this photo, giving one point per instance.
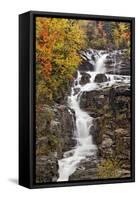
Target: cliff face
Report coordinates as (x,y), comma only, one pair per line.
(54,127)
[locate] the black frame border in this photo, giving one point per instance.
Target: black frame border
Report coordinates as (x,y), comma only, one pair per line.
(32,93)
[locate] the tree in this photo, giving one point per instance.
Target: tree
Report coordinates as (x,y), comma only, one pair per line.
(121,34)
(58,42)
(108,34)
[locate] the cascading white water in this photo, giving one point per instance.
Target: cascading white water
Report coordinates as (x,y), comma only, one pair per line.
(99,65)
(84,147)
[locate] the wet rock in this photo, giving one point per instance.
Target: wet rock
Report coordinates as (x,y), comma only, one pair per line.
(76,91)
(95,102)
(99,78)
(109,60)
(67,124)
(86,66)
(86,170)
(85,78)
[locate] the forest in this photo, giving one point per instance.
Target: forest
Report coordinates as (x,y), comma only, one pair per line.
(82,99)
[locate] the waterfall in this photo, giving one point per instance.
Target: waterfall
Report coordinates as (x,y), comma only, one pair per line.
(84,141)
(84,146)
(99,65)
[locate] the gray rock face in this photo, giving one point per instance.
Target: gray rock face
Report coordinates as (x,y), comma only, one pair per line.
(54,127)
(118,63)
(99,78)
(85,78)
(94,102)
(87,170)
(46,169)
(86,66)
(111,128)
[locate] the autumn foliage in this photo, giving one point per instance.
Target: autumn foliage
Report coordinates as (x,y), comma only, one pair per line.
(108,34)
(58,42)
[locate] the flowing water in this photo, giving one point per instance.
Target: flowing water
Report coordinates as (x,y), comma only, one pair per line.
(84,141)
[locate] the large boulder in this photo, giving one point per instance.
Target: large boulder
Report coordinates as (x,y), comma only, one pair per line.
(85,78)
(86,170)
(95,102)
(86,66)
(99,78)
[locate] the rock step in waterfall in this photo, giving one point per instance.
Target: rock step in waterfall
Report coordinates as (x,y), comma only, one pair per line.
(116,61)
(95,76)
